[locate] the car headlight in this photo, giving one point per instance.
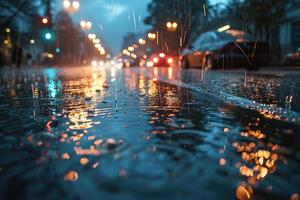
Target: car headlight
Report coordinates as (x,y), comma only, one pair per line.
(149,64)
(94,63)
(155,60)
(170,60)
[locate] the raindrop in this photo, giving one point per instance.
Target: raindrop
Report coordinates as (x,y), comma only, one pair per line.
(71,176)
(65,156)
(243,193)
(84,161)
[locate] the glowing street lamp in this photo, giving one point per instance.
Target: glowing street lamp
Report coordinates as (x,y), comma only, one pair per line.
(96,41)
(86,25)
(89,25)
(71,5)
(66,4)
(76,5)
(125,51)
(133,55)
(102,52)
(92,36)
(83,24)
(171,26)
(130,49)
(32,41)
(151,36)
(174,25)
(142,41)
(7,30)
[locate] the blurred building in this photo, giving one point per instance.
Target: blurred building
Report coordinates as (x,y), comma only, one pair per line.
(289,30)
(16,29)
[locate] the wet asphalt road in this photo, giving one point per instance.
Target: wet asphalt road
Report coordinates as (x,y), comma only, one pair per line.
(156,133)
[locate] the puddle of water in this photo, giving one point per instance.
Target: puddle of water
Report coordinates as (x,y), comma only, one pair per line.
(71,132)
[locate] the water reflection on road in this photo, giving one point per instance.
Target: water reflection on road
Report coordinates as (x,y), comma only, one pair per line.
(120,134)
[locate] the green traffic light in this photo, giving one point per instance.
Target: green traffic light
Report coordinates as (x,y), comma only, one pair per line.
(48,36)
(57,50)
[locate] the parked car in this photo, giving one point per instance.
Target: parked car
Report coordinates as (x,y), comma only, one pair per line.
(225,50)
(292,59)
(130,62)
(160,60)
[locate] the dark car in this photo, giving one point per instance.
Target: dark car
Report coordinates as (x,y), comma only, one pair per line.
(130,62)
(160,60)
(226,50)
(292,59)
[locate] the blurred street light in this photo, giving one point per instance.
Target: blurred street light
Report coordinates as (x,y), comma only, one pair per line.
(102,52)
(142,41)
(89,24)
(7,30)
(171,26)
(96,41)
(76,5)
(130,48)
(91,36)
(133,56)
(83,24)
(86,25)
(174,25)
(151,36)
(32,41)
(71,5)
(125,51)
(66,4)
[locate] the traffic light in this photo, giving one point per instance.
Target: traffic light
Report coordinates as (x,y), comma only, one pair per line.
(45,20)
(57,50)
(46,29)
(48,36)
